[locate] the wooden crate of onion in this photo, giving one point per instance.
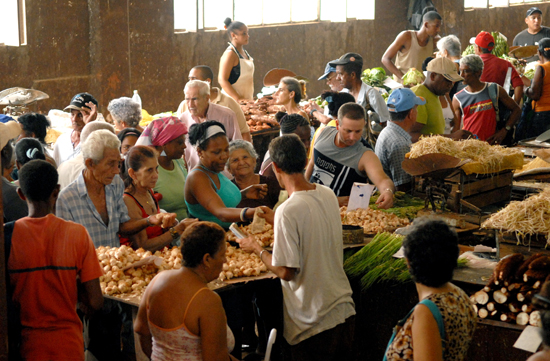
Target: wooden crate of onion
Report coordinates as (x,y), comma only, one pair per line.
(508,294)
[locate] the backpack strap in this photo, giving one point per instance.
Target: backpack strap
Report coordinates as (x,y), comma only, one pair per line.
(493,94)
(367,102)
(438,318)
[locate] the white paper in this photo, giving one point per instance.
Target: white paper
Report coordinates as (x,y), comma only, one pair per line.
(484,249)
(157,261)
(392,84)
(360,196)
(529,340)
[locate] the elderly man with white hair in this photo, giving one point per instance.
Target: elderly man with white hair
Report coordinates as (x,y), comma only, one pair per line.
(95,198)
(126,113)
(200,109)
(71,169)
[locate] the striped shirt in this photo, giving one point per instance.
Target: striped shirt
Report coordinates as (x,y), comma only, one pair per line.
(75,205)
(392,145)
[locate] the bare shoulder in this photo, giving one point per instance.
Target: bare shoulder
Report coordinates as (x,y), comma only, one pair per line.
(404,36)
(229,55)
(195,177)
(208,300)
(131,204)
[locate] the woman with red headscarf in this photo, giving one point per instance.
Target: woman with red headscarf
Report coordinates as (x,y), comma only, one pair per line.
(167,136)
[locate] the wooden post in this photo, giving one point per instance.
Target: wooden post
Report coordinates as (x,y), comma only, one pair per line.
(3,300)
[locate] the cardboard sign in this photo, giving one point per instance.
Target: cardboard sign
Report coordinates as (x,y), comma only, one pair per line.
(529,340)
(360,196)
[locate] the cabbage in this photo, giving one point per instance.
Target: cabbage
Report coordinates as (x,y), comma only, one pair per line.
(374,77)
(529,74)
(413,77)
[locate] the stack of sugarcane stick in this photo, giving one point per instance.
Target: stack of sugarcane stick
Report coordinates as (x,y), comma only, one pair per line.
(507,296)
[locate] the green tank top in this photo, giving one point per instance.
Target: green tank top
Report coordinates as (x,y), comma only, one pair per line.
(228,192)
(171,184)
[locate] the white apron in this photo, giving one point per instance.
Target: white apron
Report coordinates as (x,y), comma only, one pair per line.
(245,84)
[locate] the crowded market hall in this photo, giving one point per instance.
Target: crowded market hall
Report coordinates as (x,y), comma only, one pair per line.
(287,181)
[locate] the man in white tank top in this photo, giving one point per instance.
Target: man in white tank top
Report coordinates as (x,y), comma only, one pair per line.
(410,47)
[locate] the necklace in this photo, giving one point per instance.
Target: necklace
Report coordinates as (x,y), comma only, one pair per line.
(146,197)
(202,278)
(207,169)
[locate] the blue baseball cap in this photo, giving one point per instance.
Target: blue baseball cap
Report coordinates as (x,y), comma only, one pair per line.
(328,69)
(403,99)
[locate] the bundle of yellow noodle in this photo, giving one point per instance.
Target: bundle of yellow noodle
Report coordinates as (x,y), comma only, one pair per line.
(484,158)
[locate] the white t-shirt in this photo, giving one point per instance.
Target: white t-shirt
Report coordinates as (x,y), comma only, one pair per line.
(308,236)
(70,170)
(63,149)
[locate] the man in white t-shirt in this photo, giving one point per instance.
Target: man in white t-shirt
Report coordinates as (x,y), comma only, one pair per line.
(308,258)
(83,108)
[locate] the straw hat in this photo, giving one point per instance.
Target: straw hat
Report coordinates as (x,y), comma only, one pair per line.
(8,131)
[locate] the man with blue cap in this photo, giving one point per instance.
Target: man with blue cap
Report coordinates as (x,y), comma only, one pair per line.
(330,76)
(534,33)
(335,86)
(394,141)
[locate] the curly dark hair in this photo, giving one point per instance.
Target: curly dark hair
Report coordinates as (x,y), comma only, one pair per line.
(432,251)
(290,122)
(37,180)
(198,131)
(353,67)
(28,149)
(338,99)
(199,239)
(34,123)
(288,153)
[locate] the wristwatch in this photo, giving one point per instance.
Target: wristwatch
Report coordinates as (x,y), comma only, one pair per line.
(174,233)
(508,128)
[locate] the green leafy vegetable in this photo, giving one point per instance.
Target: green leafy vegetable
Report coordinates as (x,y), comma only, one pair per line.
(374,77)
(374,263)
(404,205)
(413,77)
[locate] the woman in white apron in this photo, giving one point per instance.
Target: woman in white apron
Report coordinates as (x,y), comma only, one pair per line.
(236,75)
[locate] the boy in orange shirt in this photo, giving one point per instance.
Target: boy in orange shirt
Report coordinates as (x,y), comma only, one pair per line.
(51,264)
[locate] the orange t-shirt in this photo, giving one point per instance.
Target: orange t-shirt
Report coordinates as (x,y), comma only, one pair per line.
(47,255)
(543,104)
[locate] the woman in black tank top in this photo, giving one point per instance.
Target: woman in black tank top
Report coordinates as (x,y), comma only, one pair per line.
(230,62)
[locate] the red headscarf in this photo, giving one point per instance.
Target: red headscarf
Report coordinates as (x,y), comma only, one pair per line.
(161,131)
